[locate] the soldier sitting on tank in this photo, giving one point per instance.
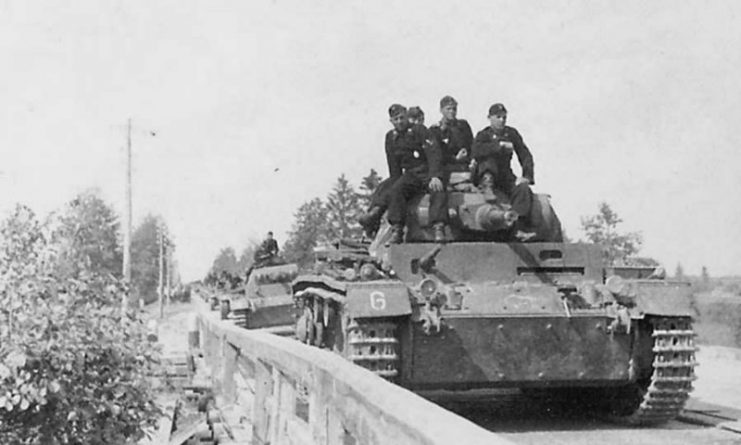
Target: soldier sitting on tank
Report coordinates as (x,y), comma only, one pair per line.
(492,153)
(453,135)
(416,116)
(379,199)
(414,160)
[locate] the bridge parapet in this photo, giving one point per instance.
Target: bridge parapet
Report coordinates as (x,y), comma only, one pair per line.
(295,394)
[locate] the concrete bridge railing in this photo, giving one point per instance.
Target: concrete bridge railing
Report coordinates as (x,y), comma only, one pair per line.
(295,394)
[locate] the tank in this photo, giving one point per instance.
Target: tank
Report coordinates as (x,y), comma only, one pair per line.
(265,301)
(483,313)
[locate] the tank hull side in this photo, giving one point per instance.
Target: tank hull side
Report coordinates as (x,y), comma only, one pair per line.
(479,352)
(269,312)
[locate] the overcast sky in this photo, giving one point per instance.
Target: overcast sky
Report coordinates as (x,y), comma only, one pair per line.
(634,103)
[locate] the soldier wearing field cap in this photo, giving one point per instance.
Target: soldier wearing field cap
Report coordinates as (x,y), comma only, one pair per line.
(453,135)
(414,161)
(416,116)
(492,152)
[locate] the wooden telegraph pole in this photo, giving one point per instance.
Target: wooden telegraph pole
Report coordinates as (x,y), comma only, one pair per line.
(127,224)
(161,284)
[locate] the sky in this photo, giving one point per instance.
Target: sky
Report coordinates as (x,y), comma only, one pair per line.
(241,111)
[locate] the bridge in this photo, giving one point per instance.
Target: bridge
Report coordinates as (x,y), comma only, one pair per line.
(259,388)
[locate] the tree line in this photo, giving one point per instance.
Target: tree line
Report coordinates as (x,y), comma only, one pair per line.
(75,366)
(317,221)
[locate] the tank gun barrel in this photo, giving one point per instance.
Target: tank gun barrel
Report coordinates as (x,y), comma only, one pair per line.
(491,218)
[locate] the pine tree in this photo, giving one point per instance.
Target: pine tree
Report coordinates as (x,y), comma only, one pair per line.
(309,229)
(367,186)
(679,272)
(705,276)
(343,209)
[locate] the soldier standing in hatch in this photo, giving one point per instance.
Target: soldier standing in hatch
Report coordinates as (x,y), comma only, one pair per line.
(414,161)
(492,151)
(453,135)
(267,251)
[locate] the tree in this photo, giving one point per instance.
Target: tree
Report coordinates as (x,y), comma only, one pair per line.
(86,237)
(367,186)
(602,229)
(705,276)
(226,261)
(343,209)
(247,257)
(679,272)
(308,230)
(73,367)
(145,252)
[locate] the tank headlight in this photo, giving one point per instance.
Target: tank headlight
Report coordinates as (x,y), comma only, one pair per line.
(349,274)
(369,272)
(427,288)
(615,284)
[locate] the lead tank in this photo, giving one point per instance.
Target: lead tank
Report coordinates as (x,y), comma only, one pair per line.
(485,312)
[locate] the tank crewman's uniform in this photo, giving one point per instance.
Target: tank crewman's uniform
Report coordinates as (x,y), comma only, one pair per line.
(267,251)
(452,137)
(413,157)
(492,157)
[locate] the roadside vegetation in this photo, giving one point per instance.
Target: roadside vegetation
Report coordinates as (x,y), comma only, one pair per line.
(75,366)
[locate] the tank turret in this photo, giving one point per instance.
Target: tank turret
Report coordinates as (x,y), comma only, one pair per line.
(474,215)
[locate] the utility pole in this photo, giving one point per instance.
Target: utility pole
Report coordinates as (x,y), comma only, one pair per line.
(161,284)
(127,224)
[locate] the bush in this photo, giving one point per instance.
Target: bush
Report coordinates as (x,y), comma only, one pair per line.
(74,369)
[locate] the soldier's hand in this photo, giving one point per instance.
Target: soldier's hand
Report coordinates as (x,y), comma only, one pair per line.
(436,185)
(462,154)
(472,165)
(506,145)
(522,180)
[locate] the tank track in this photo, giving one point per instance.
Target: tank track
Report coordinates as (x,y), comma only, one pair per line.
(673,373)
(374,345)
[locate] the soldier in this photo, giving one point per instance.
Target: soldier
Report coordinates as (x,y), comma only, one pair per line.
(492,152)
(267,251)
(414,160)
(453,135)
(416,116)
(379,200)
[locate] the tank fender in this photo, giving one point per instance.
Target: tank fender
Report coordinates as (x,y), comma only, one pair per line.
(378,299)
(665,298)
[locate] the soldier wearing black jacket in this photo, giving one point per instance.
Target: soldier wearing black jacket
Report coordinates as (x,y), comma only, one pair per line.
(453,135)
(415,165)
(492,151)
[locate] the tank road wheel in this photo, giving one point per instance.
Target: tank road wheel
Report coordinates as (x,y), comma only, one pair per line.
(661,397)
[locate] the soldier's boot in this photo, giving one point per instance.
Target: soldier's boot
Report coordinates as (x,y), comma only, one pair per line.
(438,230)
(397,234)
(371,219)
(487,184)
